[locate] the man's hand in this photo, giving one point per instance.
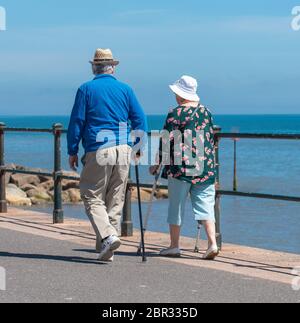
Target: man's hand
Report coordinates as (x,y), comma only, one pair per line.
(136,156)
(73,162)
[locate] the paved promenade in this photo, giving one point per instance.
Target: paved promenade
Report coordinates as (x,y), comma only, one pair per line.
(56,263)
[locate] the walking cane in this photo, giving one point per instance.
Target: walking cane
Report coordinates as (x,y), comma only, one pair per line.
(197,248)
(157,176)
(140,211)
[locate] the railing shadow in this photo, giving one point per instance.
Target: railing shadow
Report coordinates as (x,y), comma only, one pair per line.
(71,259)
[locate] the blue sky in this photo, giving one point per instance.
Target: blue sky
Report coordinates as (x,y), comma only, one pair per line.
(244,54)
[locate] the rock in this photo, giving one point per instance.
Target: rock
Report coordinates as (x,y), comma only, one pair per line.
(12,189)
(73,174)
(39,194)
(51,194)
(12,166)
(16,196)
(66,197)
(27,187)
(19,167)
(145,194)
(35,200)
(66,185)
(42,178)
(74,195)
(20,180)
(69,184)
(162,194)
(7,178)
(8,175)
(17,201)
(47,186)
(70,196)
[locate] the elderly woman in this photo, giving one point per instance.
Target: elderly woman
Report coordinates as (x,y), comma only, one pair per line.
(188,157)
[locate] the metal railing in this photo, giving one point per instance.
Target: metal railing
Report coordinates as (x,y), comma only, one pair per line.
(236,137)
(57,175)
(127,225)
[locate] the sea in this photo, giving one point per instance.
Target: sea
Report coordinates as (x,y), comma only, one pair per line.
(264,166)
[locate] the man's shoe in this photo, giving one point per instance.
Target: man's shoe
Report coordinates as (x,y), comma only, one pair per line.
(171,252)
(211,253)
(109,245)
(109,257)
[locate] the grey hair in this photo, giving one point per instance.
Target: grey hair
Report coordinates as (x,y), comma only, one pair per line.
(101,69)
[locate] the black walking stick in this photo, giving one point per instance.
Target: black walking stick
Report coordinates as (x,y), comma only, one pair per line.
(140,211)
(157,176)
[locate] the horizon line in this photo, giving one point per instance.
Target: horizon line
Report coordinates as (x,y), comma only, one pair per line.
(152,115)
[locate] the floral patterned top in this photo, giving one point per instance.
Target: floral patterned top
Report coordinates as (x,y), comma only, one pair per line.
(191,151)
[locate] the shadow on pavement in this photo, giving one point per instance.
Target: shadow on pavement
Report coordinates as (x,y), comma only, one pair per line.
(72,259)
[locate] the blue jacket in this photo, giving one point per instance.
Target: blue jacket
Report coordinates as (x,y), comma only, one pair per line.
(101,106)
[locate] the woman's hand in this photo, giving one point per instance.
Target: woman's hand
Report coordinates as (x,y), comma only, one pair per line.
(154,170)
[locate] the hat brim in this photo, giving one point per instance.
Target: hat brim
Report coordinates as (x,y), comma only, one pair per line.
(105,63)
(184,95)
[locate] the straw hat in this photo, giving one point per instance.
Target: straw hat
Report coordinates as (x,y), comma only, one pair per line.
(186,87)
(104,57)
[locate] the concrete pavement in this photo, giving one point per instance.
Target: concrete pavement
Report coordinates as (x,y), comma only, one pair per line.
(46,263)
(47,270)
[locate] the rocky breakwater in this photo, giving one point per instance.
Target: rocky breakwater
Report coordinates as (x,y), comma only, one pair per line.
(28,190)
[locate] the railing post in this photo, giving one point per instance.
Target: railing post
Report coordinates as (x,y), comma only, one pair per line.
(235,179)
(127,225)
(3,202)
(218,196)
(58,213)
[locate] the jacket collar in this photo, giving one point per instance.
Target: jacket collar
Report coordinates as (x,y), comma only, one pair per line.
(104,76)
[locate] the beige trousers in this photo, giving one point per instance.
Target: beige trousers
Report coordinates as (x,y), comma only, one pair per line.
(103,185)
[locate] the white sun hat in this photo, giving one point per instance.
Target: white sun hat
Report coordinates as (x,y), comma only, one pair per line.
(186,87)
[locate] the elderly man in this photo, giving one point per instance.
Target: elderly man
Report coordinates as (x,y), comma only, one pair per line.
(104,112)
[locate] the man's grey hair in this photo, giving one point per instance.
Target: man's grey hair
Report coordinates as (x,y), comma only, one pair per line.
(100,69)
